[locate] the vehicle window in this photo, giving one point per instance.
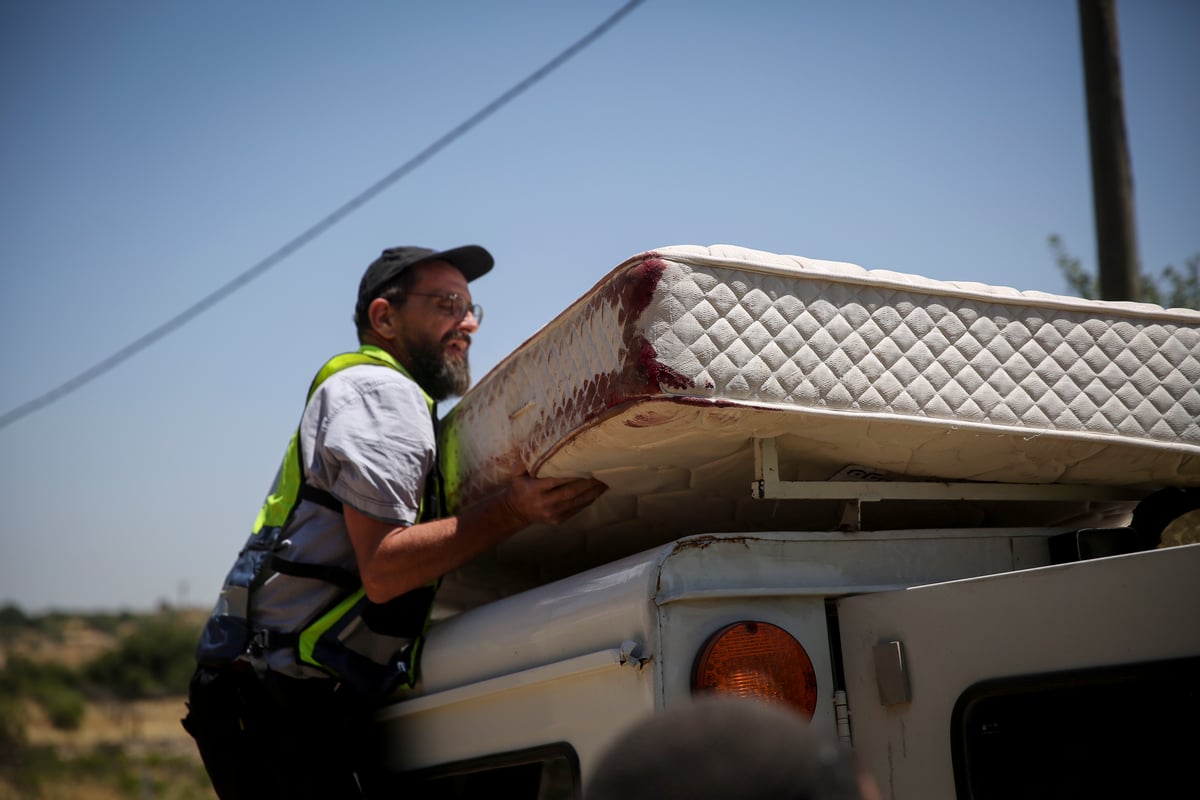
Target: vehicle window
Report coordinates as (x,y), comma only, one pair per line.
(547,773)
(1126,731)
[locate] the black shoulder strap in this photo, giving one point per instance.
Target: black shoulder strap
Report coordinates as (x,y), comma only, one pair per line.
(338,576)
(319,496)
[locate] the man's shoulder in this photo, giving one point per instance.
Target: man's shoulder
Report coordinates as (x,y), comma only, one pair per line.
(370,373)
(371,382)
(355,360)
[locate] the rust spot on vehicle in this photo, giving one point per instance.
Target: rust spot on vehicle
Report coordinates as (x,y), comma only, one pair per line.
(703,542)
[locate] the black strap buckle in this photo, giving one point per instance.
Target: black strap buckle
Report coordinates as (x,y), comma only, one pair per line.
(263,640)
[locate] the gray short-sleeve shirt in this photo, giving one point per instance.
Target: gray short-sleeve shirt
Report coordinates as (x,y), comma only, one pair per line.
(367,439)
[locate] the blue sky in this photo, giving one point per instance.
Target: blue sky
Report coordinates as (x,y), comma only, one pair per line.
(154,151)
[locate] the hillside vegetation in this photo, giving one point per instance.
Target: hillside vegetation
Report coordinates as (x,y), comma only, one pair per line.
(90,705)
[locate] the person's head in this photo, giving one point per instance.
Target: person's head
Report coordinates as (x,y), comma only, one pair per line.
(732,748)
(414,303)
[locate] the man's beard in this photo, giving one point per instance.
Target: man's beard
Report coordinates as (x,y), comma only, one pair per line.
(440,374)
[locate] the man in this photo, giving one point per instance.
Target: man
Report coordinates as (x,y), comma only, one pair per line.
(725,747)
(323,612)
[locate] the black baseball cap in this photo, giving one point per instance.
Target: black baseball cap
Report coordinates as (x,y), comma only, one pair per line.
(471,260)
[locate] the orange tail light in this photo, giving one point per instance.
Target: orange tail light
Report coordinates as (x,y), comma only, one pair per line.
(757,659)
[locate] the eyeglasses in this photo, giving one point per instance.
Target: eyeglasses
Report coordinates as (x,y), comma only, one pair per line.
(455,305)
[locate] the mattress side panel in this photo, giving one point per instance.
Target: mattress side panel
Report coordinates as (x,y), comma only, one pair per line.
(805,341)
(589,359)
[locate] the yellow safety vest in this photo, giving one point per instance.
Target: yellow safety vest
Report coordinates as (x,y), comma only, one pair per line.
(372,647)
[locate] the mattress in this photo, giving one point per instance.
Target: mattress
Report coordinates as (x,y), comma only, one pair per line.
(660,379)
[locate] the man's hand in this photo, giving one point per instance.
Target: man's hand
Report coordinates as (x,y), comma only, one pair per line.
(392,559)
(550,500)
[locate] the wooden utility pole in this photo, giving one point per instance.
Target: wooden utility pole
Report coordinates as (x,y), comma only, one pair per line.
(1112,178)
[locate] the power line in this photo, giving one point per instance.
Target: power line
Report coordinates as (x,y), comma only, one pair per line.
(345,210)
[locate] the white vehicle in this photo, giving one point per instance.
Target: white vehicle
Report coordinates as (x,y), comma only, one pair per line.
(939,519)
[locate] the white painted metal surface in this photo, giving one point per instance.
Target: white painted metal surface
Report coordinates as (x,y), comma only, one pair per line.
(555,664)
(583,701)
(1117,610)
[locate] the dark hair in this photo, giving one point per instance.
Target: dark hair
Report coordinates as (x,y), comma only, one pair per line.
(393,292)
(722,747)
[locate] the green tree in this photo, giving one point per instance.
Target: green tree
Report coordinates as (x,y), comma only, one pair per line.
(1173,287)
(12,730)
(55,687)
(155,660)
